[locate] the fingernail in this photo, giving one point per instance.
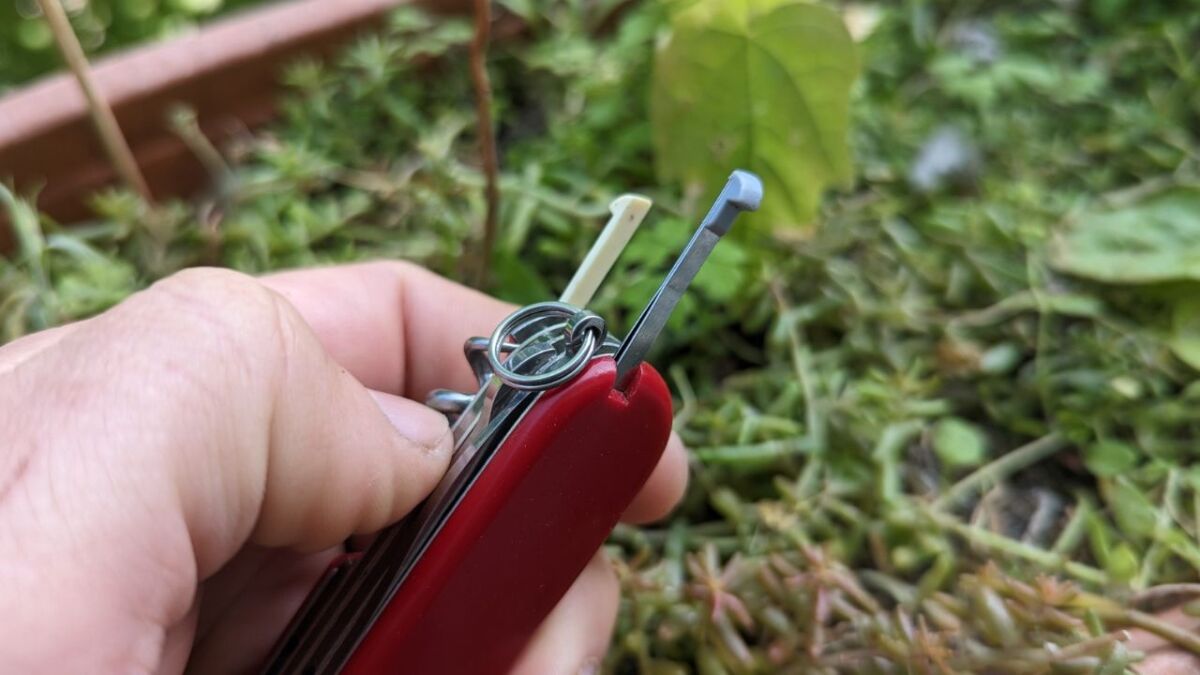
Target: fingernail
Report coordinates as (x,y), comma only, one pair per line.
(590,668)
(416,422)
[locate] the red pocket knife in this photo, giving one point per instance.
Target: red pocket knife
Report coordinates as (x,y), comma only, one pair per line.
(565,429)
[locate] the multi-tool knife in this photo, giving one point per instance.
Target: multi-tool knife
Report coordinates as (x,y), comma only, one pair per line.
(566,427)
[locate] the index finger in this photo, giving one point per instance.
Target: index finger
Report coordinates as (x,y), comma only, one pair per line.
(395,326)
(400,328)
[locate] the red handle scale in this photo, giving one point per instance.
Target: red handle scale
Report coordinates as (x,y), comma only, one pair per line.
(529,525)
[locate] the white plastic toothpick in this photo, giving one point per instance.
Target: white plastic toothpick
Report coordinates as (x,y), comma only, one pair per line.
(627,213)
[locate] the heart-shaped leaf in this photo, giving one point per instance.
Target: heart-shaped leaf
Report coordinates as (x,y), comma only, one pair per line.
(757,84)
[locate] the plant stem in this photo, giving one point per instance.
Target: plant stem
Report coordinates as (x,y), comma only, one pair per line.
(1000,544)
(754,453)
(468,176)
(686,394)
(1148,622)
(187,128)
(1175,592)
(115,145)
(487,137)
(887,457)
(1072,533)
(1084,648)
(32,244)
(1001,468)
(802,365)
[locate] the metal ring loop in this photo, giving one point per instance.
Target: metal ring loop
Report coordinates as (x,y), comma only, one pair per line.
(585,342)
(580,326)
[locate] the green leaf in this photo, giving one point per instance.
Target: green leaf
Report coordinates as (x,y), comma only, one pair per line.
(959,443)
(757,84)
(724,273)
(1122,563)
(522,8)
(1000,359)
(1184,338)
(1181,545)
(1133,512)
(1154,240)
(517,281)
(198,6)
(1110,458)
(25,224)
(1119,560)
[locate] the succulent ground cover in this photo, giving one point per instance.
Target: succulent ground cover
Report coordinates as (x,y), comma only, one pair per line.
(27,43)
(943,424)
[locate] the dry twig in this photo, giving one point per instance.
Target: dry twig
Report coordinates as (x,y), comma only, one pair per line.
(487,137)
(115,145)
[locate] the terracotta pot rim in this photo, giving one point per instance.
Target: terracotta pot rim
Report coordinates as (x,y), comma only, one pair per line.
(227,71)
(55,99)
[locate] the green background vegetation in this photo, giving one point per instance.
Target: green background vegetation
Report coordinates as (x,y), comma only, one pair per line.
(27,47)
(942,417)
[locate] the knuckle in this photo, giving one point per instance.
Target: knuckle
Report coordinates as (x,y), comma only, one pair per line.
(401,272)
(225,315)
(399,267)
(211,291)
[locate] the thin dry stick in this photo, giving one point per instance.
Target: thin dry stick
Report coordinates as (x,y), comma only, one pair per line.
(487,136)
(111,138)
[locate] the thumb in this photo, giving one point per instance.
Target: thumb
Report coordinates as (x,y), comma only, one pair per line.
(315,456)
(152,442)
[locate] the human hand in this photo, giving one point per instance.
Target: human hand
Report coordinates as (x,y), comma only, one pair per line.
(178,471)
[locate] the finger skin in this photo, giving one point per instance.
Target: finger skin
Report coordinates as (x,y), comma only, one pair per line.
(21,349)
(262,590)
(209,412)
(395,326)
(350,307)
(575,636)
(177,642)
(664,488)
(366,317)
(153,442)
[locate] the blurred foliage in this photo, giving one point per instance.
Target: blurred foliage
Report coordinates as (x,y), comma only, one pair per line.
(758,84)
(27,47)
(942,432)
(1154,239)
